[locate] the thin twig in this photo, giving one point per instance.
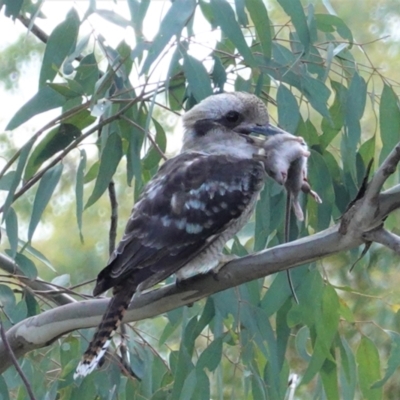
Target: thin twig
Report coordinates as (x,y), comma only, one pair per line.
(15,362)
(153,142)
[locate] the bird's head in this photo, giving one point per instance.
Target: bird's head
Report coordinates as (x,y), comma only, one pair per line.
(223,122)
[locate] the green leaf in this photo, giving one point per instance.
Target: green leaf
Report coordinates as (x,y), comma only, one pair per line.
(225,18)
(393,361)
(7,299)
(109,160)
(288,109)
(331,126)
(301,343)
(330,23)
(329,377)
(4,391)
(320,180)
(7,180)
(389,121)
(43,195)
(218,74)
(13,8)
(61,42)
(259,15)
(355,105)
(87,73)
(67,90)
(17,176)
(368,364)
(56,140)
(348,378)
(197,77)
(294,9)
(12,231)
(114,18)
(326,324)
(80,175)
(188,386)
(211,356)
(92,173)
(44,100)
(172,24)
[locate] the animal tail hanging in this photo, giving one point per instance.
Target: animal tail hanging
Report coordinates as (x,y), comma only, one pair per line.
(108,325)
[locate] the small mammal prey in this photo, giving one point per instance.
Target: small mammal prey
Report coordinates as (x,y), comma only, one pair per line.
(285,160)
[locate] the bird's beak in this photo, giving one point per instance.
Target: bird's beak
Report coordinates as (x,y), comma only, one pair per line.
(266,130)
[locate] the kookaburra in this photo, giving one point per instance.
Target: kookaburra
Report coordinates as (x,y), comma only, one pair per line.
(194,204)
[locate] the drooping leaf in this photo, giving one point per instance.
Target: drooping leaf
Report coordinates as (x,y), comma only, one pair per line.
(113,17)
(27,266)
(330,23)
(60,43)
(171,25)
(12,231)
(154,156)
(17,176)
(87,73)
(259,15)
(56,140)
(368,366)
(6,181)
(188,386)
(348,370)
(288,109)
(225,18)
(389,121)
(7,299)
(211,356)
(355,105)
(320,180)
(44,100)
(329,375)
(80,175)
(294,9)
(109,161)
(197,77)
(43,195)
(4,391)
(393,361)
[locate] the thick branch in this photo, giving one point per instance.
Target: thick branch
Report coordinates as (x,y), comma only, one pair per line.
(43,329)
(385,238)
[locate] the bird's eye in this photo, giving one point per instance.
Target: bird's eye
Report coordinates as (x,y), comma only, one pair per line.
(232,116)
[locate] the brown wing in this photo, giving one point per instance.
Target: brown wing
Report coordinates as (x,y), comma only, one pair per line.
(192,197)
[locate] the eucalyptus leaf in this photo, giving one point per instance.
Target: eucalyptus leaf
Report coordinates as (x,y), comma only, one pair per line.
(225,17)
(109,161)
(44,193)
(60,43)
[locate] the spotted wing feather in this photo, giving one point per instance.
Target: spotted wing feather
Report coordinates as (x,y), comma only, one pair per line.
(193,196)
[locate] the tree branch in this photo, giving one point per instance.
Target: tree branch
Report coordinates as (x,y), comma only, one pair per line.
(43,329)
(15,362)
(385,238)
(10,266)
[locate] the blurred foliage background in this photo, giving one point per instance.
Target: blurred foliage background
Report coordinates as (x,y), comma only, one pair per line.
(328,71)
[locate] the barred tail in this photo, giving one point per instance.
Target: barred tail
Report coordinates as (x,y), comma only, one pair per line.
(102,338)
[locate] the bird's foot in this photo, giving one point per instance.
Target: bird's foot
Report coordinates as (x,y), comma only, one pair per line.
(225,259)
